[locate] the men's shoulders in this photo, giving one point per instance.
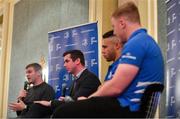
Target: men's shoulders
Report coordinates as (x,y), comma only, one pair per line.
(85,73)
(48,88)
(89,73)
(89,76)
(134,51)
(46,85)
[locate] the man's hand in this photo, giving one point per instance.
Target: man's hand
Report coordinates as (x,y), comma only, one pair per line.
(22,94)
(17,106)
(82,98)
(61,98)
(44,103)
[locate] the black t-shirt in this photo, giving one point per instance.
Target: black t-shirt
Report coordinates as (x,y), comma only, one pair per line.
(37,93)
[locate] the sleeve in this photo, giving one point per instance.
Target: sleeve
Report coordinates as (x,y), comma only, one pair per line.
(89,85)
(133,53)
(48,94)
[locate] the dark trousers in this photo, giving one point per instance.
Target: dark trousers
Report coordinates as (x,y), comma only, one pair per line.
(93,107)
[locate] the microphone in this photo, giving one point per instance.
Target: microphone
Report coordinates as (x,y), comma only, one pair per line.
(68,99)
(26,85)
(63,91)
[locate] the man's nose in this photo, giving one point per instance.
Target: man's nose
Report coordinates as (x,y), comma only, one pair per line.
(103,52)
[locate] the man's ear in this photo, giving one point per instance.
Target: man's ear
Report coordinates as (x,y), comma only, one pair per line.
(78,61)
(122,22)
(118,46)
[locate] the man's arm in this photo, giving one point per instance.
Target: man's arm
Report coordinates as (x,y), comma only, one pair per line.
(22,94)
(49,94)
(122,78)
(39,110)
(17,106)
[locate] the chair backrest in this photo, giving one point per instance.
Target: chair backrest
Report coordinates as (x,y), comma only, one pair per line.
(150,100)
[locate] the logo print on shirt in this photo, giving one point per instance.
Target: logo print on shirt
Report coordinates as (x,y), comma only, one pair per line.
(129,56)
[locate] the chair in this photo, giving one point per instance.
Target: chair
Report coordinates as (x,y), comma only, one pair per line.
(150,100)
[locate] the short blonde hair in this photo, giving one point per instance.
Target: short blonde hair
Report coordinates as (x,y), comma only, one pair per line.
(128,10)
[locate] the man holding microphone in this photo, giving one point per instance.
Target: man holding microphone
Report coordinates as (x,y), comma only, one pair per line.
(25,107)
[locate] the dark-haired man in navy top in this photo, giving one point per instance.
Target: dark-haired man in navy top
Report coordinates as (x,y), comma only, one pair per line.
(111,51)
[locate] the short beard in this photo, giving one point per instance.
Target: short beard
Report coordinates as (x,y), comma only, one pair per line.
(109,60)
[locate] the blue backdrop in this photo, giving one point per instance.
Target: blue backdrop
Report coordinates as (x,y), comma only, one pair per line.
(84,38)
(173,58)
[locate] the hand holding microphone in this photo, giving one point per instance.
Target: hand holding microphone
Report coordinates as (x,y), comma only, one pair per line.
(23,92)
(26,85)
(63,94)
(20,105)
